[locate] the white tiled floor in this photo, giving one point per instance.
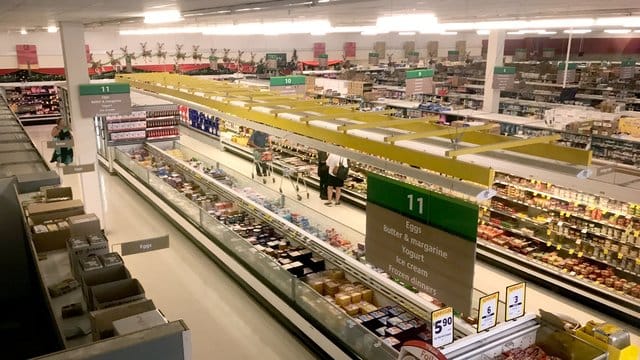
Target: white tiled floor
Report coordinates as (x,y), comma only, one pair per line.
(184,283)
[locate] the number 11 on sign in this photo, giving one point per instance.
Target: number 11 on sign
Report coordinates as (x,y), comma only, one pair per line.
(442,326)
(419,202)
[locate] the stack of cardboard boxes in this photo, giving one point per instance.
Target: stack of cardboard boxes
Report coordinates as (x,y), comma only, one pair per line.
(109,292)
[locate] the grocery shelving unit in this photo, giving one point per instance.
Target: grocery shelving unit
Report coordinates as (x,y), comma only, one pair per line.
(350,337)
(35,104)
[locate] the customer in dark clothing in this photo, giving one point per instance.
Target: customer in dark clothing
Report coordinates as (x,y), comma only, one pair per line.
(62,155)
(323,173)
(260,143)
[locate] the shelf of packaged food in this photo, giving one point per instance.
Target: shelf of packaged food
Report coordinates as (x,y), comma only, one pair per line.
(571,251)
(584,290)
(126,130)
(39,116)
(574,201)
(522,217)
(170,117)
(161,127)
(348,332)
(336,256)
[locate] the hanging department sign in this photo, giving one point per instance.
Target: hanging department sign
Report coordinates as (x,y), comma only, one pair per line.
(419,82)
(627,69)
(27,56)
(288,85)
(503,77)
(423,239)
(107,99)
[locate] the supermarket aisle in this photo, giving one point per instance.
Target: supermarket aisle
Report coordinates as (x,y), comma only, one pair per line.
(186,284)
(488,279)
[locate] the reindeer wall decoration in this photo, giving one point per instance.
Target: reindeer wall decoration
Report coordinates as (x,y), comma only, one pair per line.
(253,58)
(195,55)
(146,54)
(225,57)
(113,61)
(96,66)
(128,56)
(161,53)
(179,54)
(212,55)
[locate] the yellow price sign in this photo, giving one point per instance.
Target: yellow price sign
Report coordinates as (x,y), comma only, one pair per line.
(561,213)
(620,256)
(579,254)
(638,261)
(558,247)
(571,252)
(605,251)
(548,243)
(636,233)
(549,232)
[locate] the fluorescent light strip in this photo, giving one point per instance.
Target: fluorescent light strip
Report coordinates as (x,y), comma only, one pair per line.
(407,33)
(52,29)
(626,21)
(449,33)
(23,31)
(577,31)
(483,32)
(162,31)
(161,17)
(617,31)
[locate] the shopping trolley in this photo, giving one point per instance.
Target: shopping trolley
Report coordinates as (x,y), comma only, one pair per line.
(263,163)
(296,174)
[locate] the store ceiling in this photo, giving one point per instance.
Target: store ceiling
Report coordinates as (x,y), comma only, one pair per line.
(32,14)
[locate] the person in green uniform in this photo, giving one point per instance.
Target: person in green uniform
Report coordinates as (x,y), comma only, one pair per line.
(62,155)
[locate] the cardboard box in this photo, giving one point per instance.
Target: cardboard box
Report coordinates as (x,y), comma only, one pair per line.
(83,225)
(41,212)
(102,320)
(80,248)
(52,194)
(138,322)
(101,276)
(116,293)
(50,240)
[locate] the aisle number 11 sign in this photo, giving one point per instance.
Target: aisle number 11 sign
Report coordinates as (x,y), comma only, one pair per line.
(488,312)
(442,326)
(515,301)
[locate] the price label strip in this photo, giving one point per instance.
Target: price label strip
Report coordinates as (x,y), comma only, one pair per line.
(488,312)
(442,326)
(516,297)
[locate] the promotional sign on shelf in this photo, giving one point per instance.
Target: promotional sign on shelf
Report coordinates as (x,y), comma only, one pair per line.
(419,350)
(107,99)
(288,85)
(442,327)
(27,56)
(516,296)
(488,312)
(453,55)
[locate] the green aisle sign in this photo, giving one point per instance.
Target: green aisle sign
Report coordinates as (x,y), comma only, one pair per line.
(446,213)
(419,74)
(287,80)
(572,66)
(627,63)
(504,70)
(104,89)
(373,54)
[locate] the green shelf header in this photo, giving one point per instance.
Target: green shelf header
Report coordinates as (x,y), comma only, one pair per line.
(373,54)
(323,56)
(418,74)
(449,214)
(287,80)
(453,52)
(504,70)
(104,89)
(572,66)
(628,63)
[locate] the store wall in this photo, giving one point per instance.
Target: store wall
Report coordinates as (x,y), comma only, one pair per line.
(50,51)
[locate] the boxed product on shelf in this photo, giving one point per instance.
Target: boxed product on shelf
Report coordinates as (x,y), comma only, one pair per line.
(116,293)
(83,225)
(102,320)
(630,126)
(101,276)
(50,235)
(138,322)
(80,247)
(41,212)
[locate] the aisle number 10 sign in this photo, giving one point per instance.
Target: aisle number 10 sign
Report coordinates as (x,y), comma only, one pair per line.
(442,326)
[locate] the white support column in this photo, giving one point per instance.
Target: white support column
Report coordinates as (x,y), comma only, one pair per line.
(85,150)
(495,54)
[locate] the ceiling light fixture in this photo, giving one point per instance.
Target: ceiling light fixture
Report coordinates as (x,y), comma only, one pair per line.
(483,32)
(23,31)
(626,21)
(52,29)
(617,31)
(577,31)
(407,33)
(449,33)
(161,17)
